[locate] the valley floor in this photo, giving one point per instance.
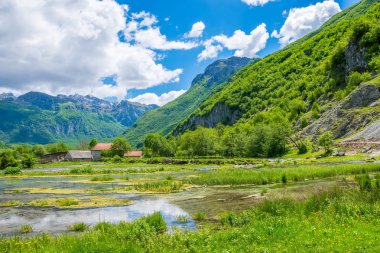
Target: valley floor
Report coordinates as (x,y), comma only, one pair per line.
(287,205)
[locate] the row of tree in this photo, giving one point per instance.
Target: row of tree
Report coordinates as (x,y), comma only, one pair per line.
(270,137)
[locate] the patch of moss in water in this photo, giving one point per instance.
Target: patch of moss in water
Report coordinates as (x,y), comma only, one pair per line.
(85,202)
(11,203)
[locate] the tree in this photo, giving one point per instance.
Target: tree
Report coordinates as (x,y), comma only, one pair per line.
(7,159)
(326,140)
(28,161)
(62,147)
(39,150)
(268,140)
(120,145)
(157,145)
(92,143)
(201,142)
(83,145)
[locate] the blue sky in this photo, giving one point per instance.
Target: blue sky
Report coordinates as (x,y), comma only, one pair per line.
(150,50)
(220,17)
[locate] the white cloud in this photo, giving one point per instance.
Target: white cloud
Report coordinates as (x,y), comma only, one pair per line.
(257,2)
(302,21)
(153,39)
(210,51)
(196,30)
(68,46)
(151,98)
(244,45)
(143,31)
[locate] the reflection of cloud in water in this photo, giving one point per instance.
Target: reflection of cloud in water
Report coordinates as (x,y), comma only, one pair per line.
(55,221)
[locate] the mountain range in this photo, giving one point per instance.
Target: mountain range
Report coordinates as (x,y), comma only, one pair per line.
(40,118)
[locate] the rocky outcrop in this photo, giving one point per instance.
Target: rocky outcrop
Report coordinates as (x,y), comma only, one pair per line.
(363,96)
(347,117)
(355,57)
(370,133)
(221,113)
(220,70)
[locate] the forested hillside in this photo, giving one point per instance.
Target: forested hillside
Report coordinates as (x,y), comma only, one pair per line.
(163,120)
(304,80)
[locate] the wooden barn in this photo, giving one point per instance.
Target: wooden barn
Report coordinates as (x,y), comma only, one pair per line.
(53,158)
(78,156)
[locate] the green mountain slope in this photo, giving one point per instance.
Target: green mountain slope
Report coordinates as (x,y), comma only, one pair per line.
(163,120)
(39,118)
(305,79)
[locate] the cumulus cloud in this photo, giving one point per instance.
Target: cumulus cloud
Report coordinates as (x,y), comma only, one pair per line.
(244,45)
(143,31)
(302,21)
(210,51)
(153,39)
(196,30)
(151,98)
(65,46)
(257,2)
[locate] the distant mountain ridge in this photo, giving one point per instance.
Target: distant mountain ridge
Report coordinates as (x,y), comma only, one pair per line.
(37,117)
(165,119)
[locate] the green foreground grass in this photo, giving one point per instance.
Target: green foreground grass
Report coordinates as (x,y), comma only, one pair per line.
(338,221)
(284,175)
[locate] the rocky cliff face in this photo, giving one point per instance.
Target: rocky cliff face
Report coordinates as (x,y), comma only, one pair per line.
(220,113)
(350,115)
(355,57)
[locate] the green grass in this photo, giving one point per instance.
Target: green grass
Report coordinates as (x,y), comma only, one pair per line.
(11,203)
(78,227)
(67,202)
(160,186)
(268,176)
(106,178)
(26,229)
(338,221)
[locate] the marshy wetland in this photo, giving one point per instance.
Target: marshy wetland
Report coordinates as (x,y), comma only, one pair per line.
(68,201)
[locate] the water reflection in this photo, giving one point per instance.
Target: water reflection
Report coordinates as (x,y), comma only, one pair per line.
(55,221)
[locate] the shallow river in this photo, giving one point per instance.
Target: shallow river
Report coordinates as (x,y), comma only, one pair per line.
(53,220)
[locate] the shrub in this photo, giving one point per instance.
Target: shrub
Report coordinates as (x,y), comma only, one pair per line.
(26,229)
(157,222)
(326,140)
(78,227)
(28,161)
(12,171)
(7,159)
(302,148)
(284,180)
(117,159)
(103,227)
(199,216)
